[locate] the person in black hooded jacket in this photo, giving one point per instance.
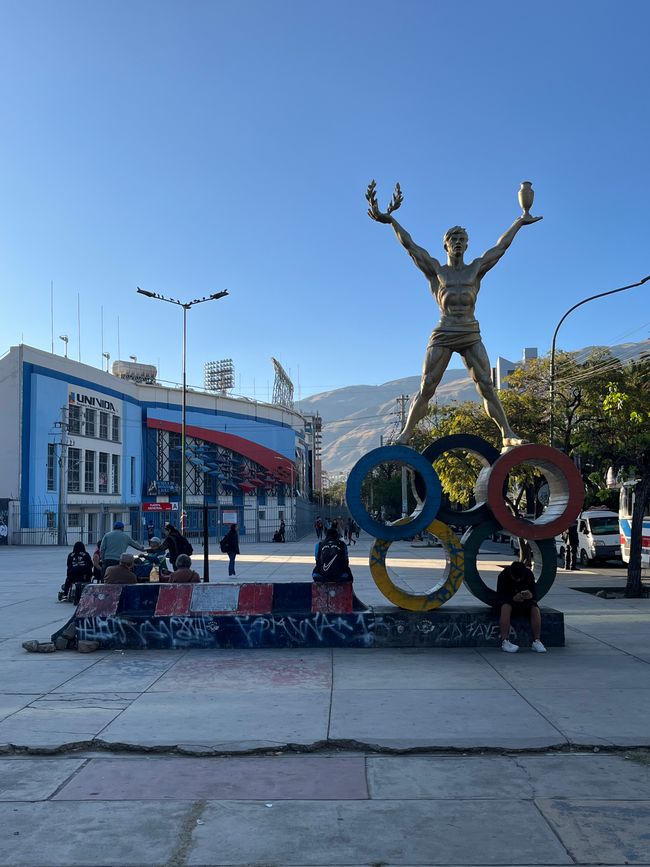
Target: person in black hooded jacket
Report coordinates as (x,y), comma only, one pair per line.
(79,567)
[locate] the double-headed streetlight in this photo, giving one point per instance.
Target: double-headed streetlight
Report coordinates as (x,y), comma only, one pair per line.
(557,328)
(186,305)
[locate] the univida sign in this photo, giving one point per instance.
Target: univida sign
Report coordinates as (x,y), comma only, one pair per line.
(91,400)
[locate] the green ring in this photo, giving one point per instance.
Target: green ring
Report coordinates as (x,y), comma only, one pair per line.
(476,585)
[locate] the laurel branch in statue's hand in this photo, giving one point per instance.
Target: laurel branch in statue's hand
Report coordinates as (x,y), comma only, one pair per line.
(373,211)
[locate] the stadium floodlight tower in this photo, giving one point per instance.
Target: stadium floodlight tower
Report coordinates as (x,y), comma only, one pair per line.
(282,386)
(219,375)
(186,305)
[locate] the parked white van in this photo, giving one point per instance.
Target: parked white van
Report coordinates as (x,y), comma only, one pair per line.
(598,537)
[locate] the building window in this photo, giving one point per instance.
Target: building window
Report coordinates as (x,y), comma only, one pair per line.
(91,422)
(103,425)
(132,475)
(103,473)
(74,419)
(262,514)
(51,467)
(89,473)
(115,474)
(74,470)
(74,519)
(116,429)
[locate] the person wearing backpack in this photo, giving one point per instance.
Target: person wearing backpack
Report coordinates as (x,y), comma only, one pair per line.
(230,546)
(332,563)
(175,543)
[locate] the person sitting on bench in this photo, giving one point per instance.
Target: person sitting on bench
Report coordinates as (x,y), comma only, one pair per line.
(79,568)
(184,573)
(332,563)
(122,573)
(516,593)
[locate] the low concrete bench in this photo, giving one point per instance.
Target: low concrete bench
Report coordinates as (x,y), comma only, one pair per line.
(305,614)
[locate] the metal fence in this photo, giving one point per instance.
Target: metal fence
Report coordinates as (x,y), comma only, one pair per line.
(87,523)
(42,525)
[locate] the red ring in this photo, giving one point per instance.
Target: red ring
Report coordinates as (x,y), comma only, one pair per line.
(566,491)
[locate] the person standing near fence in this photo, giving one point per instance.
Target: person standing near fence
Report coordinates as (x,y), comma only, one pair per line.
(230,546)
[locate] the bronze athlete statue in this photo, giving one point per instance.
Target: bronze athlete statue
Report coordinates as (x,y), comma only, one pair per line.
(455,287)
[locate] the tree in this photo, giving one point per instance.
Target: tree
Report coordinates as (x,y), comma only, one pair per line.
(582,430)
(629,409)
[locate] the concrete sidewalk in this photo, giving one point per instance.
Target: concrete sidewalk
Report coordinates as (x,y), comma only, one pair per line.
(593,692)
(325,810)
(297,757)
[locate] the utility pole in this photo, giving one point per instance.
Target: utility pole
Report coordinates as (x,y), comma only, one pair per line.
(402,399)
(62,529)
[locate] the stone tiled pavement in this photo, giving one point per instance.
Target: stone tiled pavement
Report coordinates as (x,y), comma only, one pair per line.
(71,795)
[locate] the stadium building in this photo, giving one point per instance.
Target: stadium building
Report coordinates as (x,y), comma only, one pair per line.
(82,448)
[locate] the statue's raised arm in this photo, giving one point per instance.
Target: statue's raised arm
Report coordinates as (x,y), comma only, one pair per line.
(424,261)
(491,257)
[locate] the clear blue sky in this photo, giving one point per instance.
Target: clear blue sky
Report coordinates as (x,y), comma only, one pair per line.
(193,147)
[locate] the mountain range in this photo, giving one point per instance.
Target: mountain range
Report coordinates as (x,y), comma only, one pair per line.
(357,416)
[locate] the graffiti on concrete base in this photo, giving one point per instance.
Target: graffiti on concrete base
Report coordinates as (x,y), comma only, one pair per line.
(294,630)
(363,629)
(181,632)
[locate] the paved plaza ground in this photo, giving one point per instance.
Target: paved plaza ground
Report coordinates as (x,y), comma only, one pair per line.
(326,756)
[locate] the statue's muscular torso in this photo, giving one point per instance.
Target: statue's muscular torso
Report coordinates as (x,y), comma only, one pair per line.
(455,291)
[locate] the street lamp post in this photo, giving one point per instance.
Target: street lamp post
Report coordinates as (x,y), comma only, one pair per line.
(557,328)
(186,305)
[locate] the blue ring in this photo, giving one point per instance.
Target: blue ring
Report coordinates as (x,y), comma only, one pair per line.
(385,454)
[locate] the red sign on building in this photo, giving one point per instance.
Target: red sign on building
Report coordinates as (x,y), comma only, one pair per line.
(160,507)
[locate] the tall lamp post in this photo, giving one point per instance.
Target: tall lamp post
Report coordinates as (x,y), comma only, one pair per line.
(186,305)
(557,328)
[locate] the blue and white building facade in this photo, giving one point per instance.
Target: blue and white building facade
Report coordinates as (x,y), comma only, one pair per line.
(75,438)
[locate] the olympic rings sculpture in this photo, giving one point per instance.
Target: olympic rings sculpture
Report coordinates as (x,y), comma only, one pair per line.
(491,514)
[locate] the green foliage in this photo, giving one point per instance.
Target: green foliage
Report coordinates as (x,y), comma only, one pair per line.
(583,430)
(627,405)
(459,469)
(382,490)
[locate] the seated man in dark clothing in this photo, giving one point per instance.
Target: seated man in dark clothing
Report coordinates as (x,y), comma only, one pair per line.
(332,562)
(122,573)
(79,568)
(516,592)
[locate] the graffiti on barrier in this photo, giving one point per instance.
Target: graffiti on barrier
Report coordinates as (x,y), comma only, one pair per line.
(311,630)
(296,630)
(363,629)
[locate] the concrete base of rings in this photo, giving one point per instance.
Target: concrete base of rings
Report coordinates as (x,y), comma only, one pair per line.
(281,616)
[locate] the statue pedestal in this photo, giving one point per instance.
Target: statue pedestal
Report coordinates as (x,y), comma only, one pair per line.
(227,616)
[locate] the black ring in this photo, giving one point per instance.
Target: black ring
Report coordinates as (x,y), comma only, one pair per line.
(471,443)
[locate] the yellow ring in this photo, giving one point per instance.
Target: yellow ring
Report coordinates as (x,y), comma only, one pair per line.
(421,601)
